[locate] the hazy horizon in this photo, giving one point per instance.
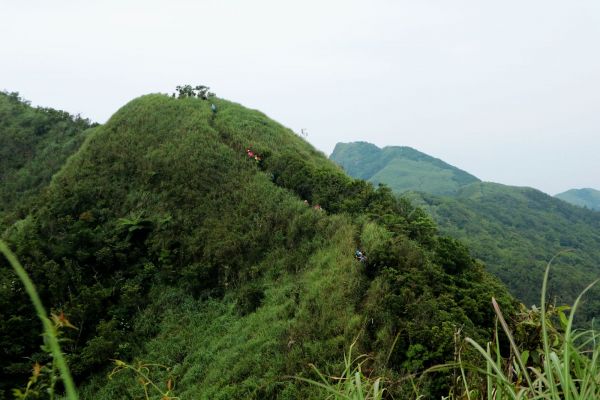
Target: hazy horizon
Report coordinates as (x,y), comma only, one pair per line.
(505,91)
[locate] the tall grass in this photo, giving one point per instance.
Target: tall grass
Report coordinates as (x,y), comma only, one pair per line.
(143,371)
(352,384)
(568,370)
(50,330)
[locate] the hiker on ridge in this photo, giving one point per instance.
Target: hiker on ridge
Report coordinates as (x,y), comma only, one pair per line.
(359,255)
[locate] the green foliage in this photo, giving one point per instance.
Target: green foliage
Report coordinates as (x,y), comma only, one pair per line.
(566,368)
(163,241)
(34,144)
(543,358)
(352,383)
(51,334)
(250,298)
(200,91)
(452,255)
(402,168)
(143,372)
(588,198)
(46,377)
(511,229)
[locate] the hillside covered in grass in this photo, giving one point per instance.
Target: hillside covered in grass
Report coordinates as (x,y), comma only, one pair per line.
(163,242)
(34,144)
(515,231)
(588,198)
(401,168)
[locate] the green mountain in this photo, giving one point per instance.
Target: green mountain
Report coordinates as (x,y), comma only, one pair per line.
(401,168)
(163,242)
(34,144)
(515,231)
(589,198)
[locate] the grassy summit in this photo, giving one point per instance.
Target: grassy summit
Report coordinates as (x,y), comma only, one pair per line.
(588,198)
(401,168)
(163,242)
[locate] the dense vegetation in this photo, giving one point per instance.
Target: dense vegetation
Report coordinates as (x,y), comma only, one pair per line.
(514,230)
(548,360)
(163,242)
(588,198)
(34,144)
(401,168)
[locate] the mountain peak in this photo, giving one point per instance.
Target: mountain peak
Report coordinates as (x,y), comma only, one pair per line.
(585,197)
(401,167)
(235,240)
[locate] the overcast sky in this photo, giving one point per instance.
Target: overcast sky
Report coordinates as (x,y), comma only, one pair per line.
(507,90)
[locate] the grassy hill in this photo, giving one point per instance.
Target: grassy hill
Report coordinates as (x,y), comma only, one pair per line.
(34,144)
(164,243)
(514,230)
(588,198)
(401,168)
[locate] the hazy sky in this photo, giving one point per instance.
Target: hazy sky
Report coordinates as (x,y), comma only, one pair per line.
(507,90)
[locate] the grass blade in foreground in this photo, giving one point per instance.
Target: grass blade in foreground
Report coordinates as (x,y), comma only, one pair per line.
(49,330)
(352,384)
(568,369)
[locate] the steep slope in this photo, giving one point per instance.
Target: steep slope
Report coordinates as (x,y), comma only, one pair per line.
(401,168)
(514,230)
(589,198)
(34,144)
(163,242)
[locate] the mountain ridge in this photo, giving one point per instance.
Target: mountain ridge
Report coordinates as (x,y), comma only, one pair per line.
(585,197)
(34,144)
(162,240)
(420,171)
(515,231)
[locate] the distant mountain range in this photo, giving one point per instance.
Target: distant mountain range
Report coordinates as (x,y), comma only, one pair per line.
(401,168)
(514,230)
(589,198)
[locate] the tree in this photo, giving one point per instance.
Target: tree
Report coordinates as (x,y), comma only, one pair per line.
(199,91)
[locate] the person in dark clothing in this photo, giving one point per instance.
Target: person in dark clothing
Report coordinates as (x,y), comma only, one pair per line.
(360,256)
